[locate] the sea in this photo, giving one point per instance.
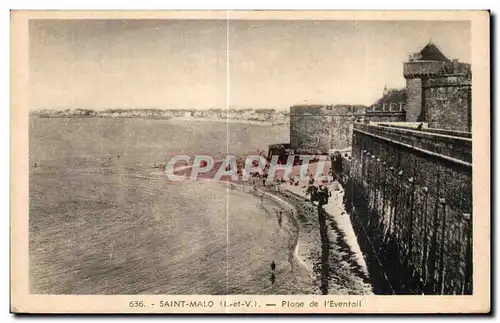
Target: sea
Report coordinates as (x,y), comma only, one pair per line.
(103,220)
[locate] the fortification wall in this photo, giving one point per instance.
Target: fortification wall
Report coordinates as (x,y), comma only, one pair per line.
(413,99)
(413,73)
(438,92)
(309,134)
(386,116)
(418,69)
(315,129)
(447,102)
(409,194)
(341,131)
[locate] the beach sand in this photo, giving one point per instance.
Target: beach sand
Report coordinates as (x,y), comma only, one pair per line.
(340,253)
(346,276)
(347,269)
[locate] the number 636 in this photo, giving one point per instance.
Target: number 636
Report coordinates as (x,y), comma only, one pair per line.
(136,304)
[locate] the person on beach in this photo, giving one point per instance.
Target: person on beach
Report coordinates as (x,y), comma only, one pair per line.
(273,266)
(312,190)
(254,187)
(323,195)
(279,215)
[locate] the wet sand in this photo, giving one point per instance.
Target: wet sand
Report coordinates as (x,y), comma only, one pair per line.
(326,247)
(327,243)
(290,264)
(345,276)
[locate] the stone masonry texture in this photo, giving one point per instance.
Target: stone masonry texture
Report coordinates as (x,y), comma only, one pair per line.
(411,209)
(315,129)
(447,102)
(439,93)
(414,99)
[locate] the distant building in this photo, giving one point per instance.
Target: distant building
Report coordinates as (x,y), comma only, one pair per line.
(389,108)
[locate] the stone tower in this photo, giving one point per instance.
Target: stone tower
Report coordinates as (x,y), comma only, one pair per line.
(315,129)
(427,63)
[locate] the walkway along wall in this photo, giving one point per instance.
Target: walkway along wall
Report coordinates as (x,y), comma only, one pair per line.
(409,195)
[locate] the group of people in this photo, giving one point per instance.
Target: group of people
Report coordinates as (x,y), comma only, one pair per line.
(319,193)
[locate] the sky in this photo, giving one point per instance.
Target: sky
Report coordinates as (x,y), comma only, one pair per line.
(202,64)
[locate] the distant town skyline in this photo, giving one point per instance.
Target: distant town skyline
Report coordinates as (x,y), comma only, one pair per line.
(203,64)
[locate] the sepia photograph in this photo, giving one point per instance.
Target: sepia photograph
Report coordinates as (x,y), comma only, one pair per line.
(236,161)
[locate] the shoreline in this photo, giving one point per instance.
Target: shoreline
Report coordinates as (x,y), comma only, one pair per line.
(235,121)
(346,262)
(292,215)
(348,258)
(336,212)
(345,275)
(307,244)
(222,120)
(295,222)
(301,252)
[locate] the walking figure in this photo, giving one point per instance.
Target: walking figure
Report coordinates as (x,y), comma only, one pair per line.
(273,278)
(273,266)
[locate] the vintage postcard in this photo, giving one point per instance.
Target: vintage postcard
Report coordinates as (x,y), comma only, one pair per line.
(250,162)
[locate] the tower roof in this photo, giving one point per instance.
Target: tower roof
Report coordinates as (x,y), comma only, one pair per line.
(431,53)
